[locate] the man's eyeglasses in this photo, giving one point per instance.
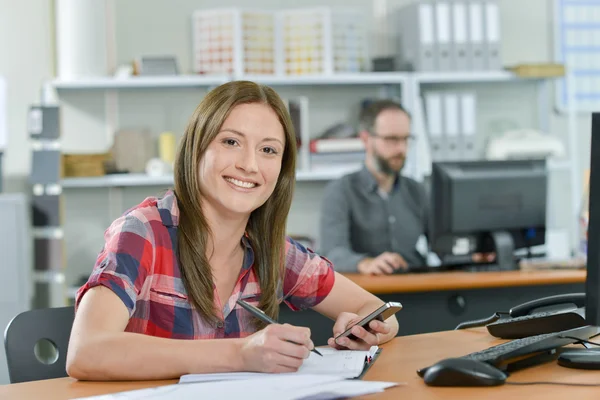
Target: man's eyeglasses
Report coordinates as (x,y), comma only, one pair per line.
(393,140)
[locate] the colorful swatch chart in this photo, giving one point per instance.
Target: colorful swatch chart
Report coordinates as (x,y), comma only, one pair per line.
(322,40)
(231,41)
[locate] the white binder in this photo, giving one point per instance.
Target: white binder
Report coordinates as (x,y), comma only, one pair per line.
(443,53)
(492,54)
(468,126)
(451,126)
(459,36)
(416,37)
(434,118)
(476,35)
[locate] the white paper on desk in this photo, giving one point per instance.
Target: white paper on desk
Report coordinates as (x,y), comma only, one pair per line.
(280,387)
(225,376)
(341,363)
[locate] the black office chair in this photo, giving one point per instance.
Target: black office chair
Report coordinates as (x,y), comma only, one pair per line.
(25,331)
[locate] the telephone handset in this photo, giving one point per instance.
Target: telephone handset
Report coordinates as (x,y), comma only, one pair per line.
(528,319)
(578,299)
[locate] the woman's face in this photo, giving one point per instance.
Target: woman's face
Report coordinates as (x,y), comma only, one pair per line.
(240,167)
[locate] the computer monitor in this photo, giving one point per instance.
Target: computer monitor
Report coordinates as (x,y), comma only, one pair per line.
(592,282)
(487,206)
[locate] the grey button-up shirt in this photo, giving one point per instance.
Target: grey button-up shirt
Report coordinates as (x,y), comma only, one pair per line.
(358,222)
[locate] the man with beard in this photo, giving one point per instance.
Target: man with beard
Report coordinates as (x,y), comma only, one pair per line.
(371,220)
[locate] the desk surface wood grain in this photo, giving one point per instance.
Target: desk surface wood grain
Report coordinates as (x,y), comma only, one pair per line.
(398,362)
(436,281)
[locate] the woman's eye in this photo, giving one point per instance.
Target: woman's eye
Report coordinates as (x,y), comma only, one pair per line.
(230,142)
(270,150)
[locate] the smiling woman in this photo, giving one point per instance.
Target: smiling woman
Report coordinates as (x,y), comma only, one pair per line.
(234,160)
(174,267)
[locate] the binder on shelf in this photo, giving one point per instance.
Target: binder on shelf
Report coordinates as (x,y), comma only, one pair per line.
(416,36)
(468,125)
(46,167)
(434,118)
(492,56)
(460,36)
(48,254)
(46,210)
(43,122)
(476,35)
(443,53)
(451,126)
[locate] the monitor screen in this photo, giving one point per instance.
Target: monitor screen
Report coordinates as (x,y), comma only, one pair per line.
(487,206)
(592,282)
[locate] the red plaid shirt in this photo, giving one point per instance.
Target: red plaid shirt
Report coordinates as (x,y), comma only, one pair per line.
(139,264)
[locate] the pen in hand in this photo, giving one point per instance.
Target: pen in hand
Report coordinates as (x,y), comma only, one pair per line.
(264,317)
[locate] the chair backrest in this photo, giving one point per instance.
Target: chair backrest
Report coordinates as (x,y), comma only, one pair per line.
(27,329)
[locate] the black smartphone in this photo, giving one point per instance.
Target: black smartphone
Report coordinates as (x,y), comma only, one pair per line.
(381,314)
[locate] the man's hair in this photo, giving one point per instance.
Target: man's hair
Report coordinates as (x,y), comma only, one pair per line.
(370,113)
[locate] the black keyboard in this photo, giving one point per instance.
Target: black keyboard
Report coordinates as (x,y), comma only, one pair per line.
(518,349)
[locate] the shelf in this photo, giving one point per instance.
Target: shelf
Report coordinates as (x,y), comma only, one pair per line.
(327,173)
(468,76)
(321,173)
(179,81)
(117,180)
(128,180)
(359,78)
(362,78)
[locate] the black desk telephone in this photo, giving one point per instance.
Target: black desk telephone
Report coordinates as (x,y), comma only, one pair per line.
(545,315)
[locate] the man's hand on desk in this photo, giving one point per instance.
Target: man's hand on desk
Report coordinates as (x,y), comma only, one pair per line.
(483,257)
(383,264)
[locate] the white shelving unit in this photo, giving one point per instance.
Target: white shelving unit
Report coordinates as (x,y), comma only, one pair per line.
(158,82)
(407,83)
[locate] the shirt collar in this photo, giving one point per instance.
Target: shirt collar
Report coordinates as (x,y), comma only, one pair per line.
(168,209)
(368,181)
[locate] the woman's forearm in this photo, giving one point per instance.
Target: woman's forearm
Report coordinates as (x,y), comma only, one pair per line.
(131,356)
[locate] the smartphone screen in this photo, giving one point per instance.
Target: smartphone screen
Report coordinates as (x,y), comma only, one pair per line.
(381,314)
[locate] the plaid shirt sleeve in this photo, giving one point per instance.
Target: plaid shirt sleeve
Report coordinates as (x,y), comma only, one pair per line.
(308,277)
(124,262)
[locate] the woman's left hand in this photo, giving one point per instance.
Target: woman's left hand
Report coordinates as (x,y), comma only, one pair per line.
(364,338)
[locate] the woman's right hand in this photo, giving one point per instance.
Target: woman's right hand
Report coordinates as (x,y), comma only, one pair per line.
(276,348)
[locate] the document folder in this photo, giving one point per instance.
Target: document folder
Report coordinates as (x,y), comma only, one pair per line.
(476,35)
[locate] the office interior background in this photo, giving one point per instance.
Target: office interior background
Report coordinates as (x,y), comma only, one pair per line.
(65,54)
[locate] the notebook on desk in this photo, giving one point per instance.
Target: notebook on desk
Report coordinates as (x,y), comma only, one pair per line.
(347,364)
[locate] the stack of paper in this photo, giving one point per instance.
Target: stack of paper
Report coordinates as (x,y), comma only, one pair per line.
(319,377)
(280,387)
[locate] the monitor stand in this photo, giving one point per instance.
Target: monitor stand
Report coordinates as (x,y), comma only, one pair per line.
(505,250)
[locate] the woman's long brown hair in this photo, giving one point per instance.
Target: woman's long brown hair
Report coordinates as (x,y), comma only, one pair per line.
(267,225)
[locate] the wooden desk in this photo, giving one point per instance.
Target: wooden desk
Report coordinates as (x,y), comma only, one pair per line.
(436,281)
(448,298)
(398,362)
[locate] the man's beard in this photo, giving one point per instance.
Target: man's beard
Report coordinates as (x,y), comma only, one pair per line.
(384,167)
